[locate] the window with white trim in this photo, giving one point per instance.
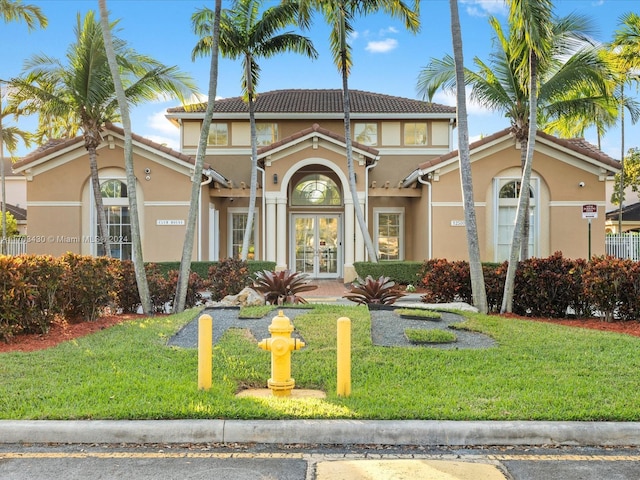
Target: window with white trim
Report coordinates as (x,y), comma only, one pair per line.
(237,225)
(266,133)
(415,133)
(218,135)
(116,207)
(366,133)
(507,192)
(389,233)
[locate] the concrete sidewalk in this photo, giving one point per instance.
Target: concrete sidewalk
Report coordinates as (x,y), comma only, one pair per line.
(343,432)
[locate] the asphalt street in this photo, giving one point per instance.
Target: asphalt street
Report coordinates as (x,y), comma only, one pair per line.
(314,462)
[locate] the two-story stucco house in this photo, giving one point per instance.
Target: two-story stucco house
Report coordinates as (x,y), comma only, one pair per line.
(407,180)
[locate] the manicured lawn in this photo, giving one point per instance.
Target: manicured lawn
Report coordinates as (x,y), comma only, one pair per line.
(539,371)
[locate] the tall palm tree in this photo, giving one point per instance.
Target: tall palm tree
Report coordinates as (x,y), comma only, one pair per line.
(187,247)
(83,90)
(340,14)
(478,290)
(247,35)
(573,86)
(14,10)
(531,20)
(136,243)
(625,50)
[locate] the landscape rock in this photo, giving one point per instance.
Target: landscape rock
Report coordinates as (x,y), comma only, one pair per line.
(248,297)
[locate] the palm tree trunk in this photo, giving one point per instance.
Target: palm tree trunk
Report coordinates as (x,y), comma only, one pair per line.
(478,289)
(509,284)
(187,249)
(254,166)
(373,257)
(524,241)
(103,232)
(136,243)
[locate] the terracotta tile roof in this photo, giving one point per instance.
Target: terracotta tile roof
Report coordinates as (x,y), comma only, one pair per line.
(57,145)
(20,214)
(578,145)
(321,101)
(315,128)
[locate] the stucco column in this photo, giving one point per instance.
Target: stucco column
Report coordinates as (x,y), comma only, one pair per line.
(349,272)
(281,233)
(270,229)
(359,238)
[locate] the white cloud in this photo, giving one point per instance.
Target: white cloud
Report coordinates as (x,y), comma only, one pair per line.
(382,46)
(386,31)
(159,123)
(482,8)
(449,98)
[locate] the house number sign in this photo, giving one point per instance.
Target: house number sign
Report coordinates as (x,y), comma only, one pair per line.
(169,222)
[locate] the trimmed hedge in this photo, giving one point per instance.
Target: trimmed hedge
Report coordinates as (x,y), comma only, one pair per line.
(202,268)
(404,273)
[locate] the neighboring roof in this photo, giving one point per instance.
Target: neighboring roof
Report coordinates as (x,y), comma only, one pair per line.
(321,101)
(630,213)
(20,214)
(310,132)
(58,145)
(578,145)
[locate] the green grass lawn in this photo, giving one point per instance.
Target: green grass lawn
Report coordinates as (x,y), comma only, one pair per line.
(539,371)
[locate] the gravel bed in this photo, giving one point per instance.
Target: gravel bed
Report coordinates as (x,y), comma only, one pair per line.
(225,318)
(387,328)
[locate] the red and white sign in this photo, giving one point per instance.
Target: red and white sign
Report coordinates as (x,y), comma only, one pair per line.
(590,211)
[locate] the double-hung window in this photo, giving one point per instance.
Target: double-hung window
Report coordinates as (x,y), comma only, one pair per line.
(389,233)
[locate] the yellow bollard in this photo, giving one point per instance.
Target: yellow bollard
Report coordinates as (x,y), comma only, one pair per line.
(205,347)
(281,345)
(344,357)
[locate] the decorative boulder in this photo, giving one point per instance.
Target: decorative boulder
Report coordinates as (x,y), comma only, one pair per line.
(248,297)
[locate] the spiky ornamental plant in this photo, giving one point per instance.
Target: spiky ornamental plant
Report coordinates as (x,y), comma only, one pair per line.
(380,291)
(282,287)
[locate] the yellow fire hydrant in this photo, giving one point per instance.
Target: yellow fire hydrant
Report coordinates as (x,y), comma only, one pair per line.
(281,345)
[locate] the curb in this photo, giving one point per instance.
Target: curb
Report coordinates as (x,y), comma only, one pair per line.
(380,432)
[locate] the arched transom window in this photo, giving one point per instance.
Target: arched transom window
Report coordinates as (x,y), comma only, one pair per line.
(316,189)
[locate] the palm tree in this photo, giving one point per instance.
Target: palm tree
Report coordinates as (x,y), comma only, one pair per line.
(625,50)
(478,290)
(14,10)
(531,20)
(571,87)
(136,243)
(339,14)
(83,90)
(187,247)
(247,35)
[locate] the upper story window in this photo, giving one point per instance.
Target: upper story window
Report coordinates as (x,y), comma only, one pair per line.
(218,135)
(415,133)
(266,133)
(366,133)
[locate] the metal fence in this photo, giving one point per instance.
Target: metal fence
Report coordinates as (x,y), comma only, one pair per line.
(623,245)
(15,245)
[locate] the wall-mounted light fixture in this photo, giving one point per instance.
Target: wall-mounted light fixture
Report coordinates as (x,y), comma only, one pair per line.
(275,178)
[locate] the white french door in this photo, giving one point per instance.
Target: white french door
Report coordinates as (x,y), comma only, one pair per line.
(317,245)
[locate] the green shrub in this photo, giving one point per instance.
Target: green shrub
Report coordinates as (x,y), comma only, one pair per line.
(228,277)
(543,287)
(16,293)
(44,274)
(89,285)
(446,282)
(604,280)
(494,277)
(195,286)
(401,272)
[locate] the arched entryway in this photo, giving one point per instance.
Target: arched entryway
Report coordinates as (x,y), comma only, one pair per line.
(316,211)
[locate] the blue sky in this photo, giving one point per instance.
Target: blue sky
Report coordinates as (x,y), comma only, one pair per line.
(387,59)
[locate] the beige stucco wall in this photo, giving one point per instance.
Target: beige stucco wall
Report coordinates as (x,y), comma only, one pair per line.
(559,200)
(60,203)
